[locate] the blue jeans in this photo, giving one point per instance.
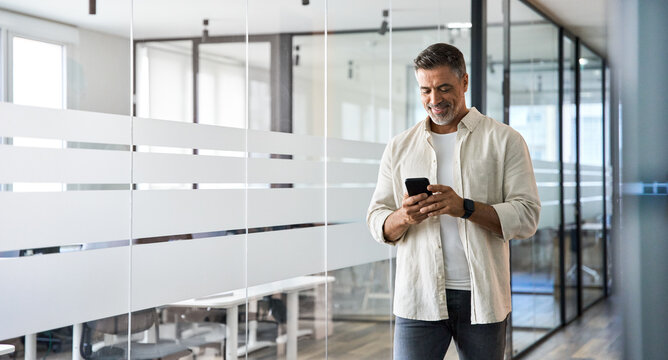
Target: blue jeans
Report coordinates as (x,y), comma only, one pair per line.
(427,340)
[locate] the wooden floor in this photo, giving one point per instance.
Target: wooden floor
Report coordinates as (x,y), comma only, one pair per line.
(597,335)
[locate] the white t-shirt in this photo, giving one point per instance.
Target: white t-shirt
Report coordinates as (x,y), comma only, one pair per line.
(457,275)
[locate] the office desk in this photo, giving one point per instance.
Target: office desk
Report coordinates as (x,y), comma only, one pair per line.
(6,349)
(231,301)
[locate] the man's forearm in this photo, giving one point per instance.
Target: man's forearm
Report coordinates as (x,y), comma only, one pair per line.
(394,227)
(485,216)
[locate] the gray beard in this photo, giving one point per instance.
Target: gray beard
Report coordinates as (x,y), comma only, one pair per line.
(441,120)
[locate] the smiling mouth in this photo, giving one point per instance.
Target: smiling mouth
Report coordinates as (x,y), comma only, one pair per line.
(439,109)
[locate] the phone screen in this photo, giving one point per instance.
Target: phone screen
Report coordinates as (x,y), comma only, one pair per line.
(415,186)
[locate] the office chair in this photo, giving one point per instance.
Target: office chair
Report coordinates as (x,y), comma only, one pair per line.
(195,328)
(118,325)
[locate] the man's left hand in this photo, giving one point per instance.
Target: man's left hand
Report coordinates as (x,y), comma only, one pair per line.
(445,201)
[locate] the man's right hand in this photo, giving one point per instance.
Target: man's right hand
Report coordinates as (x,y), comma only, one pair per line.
(401,219)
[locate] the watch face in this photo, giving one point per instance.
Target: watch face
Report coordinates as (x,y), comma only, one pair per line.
(469,205)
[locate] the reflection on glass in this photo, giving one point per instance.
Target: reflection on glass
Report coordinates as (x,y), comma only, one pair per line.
(164,76)
(591,175)
(569,147)
(534,103)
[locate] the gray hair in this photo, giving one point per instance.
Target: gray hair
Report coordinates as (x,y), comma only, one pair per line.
(441,54)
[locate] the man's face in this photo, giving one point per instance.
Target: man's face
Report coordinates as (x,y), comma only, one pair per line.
(442,93)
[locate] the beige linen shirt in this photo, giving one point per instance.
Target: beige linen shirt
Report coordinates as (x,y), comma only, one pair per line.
(492,166)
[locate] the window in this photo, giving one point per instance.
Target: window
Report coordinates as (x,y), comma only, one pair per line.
(37,73)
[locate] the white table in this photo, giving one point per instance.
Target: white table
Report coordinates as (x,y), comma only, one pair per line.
(6,349)
(231,301)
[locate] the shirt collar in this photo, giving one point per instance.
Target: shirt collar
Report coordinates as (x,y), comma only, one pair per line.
(469,121)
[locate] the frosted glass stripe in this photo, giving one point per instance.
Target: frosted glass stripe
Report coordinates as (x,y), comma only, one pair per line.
(542,164)
(170,212)
(279,255)
(587,191)
(77,166)
(546,194)
(33,220)
(591,177)
(180,168)
(56,290)
(168,272)
(351,245)
(69,125)
(277,171)
(543,177)
(188,135)
(270,207)
(340,148)
(271,142)
(339,173)
(596,168)
(348,204)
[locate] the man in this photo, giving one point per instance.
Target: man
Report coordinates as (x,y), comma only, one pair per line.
(453,268)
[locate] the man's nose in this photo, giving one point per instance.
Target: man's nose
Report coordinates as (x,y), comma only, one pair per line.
(433,99)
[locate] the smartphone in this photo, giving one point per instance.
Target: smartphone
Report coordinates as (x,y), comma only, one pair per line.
(416,186)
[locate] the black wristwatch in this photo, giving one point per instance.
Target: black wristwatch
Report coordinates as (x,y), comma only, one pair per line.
(469,208)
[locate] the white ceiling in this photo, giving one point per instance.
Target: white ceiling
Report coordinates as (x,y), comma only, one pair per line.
(585,18)
(183,18)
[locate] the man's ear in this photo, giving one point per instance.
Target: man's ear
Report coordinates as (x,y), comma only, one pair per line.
(465,79)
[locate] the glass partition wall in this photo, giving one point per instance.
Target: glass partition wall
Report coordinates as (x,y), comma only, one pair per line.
(207,169)
(592,217)
(534,112)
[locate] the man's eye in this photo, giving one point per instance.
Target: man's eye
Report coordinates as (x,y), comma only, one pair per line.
(443,89)
(424,91)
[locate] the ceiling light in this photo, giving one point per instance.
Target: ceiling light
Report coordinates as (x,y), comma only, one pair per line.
(459,25)
(297,55)
(205,32)
(583,61)
(384,24)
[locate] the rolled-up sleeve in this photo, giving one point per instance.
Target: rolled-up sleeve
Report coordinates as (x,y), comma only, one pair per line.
(382,202)
(520,210)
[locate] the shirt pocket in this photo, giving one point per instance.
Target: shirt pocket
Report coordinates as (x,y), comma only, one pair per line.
(482,180)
